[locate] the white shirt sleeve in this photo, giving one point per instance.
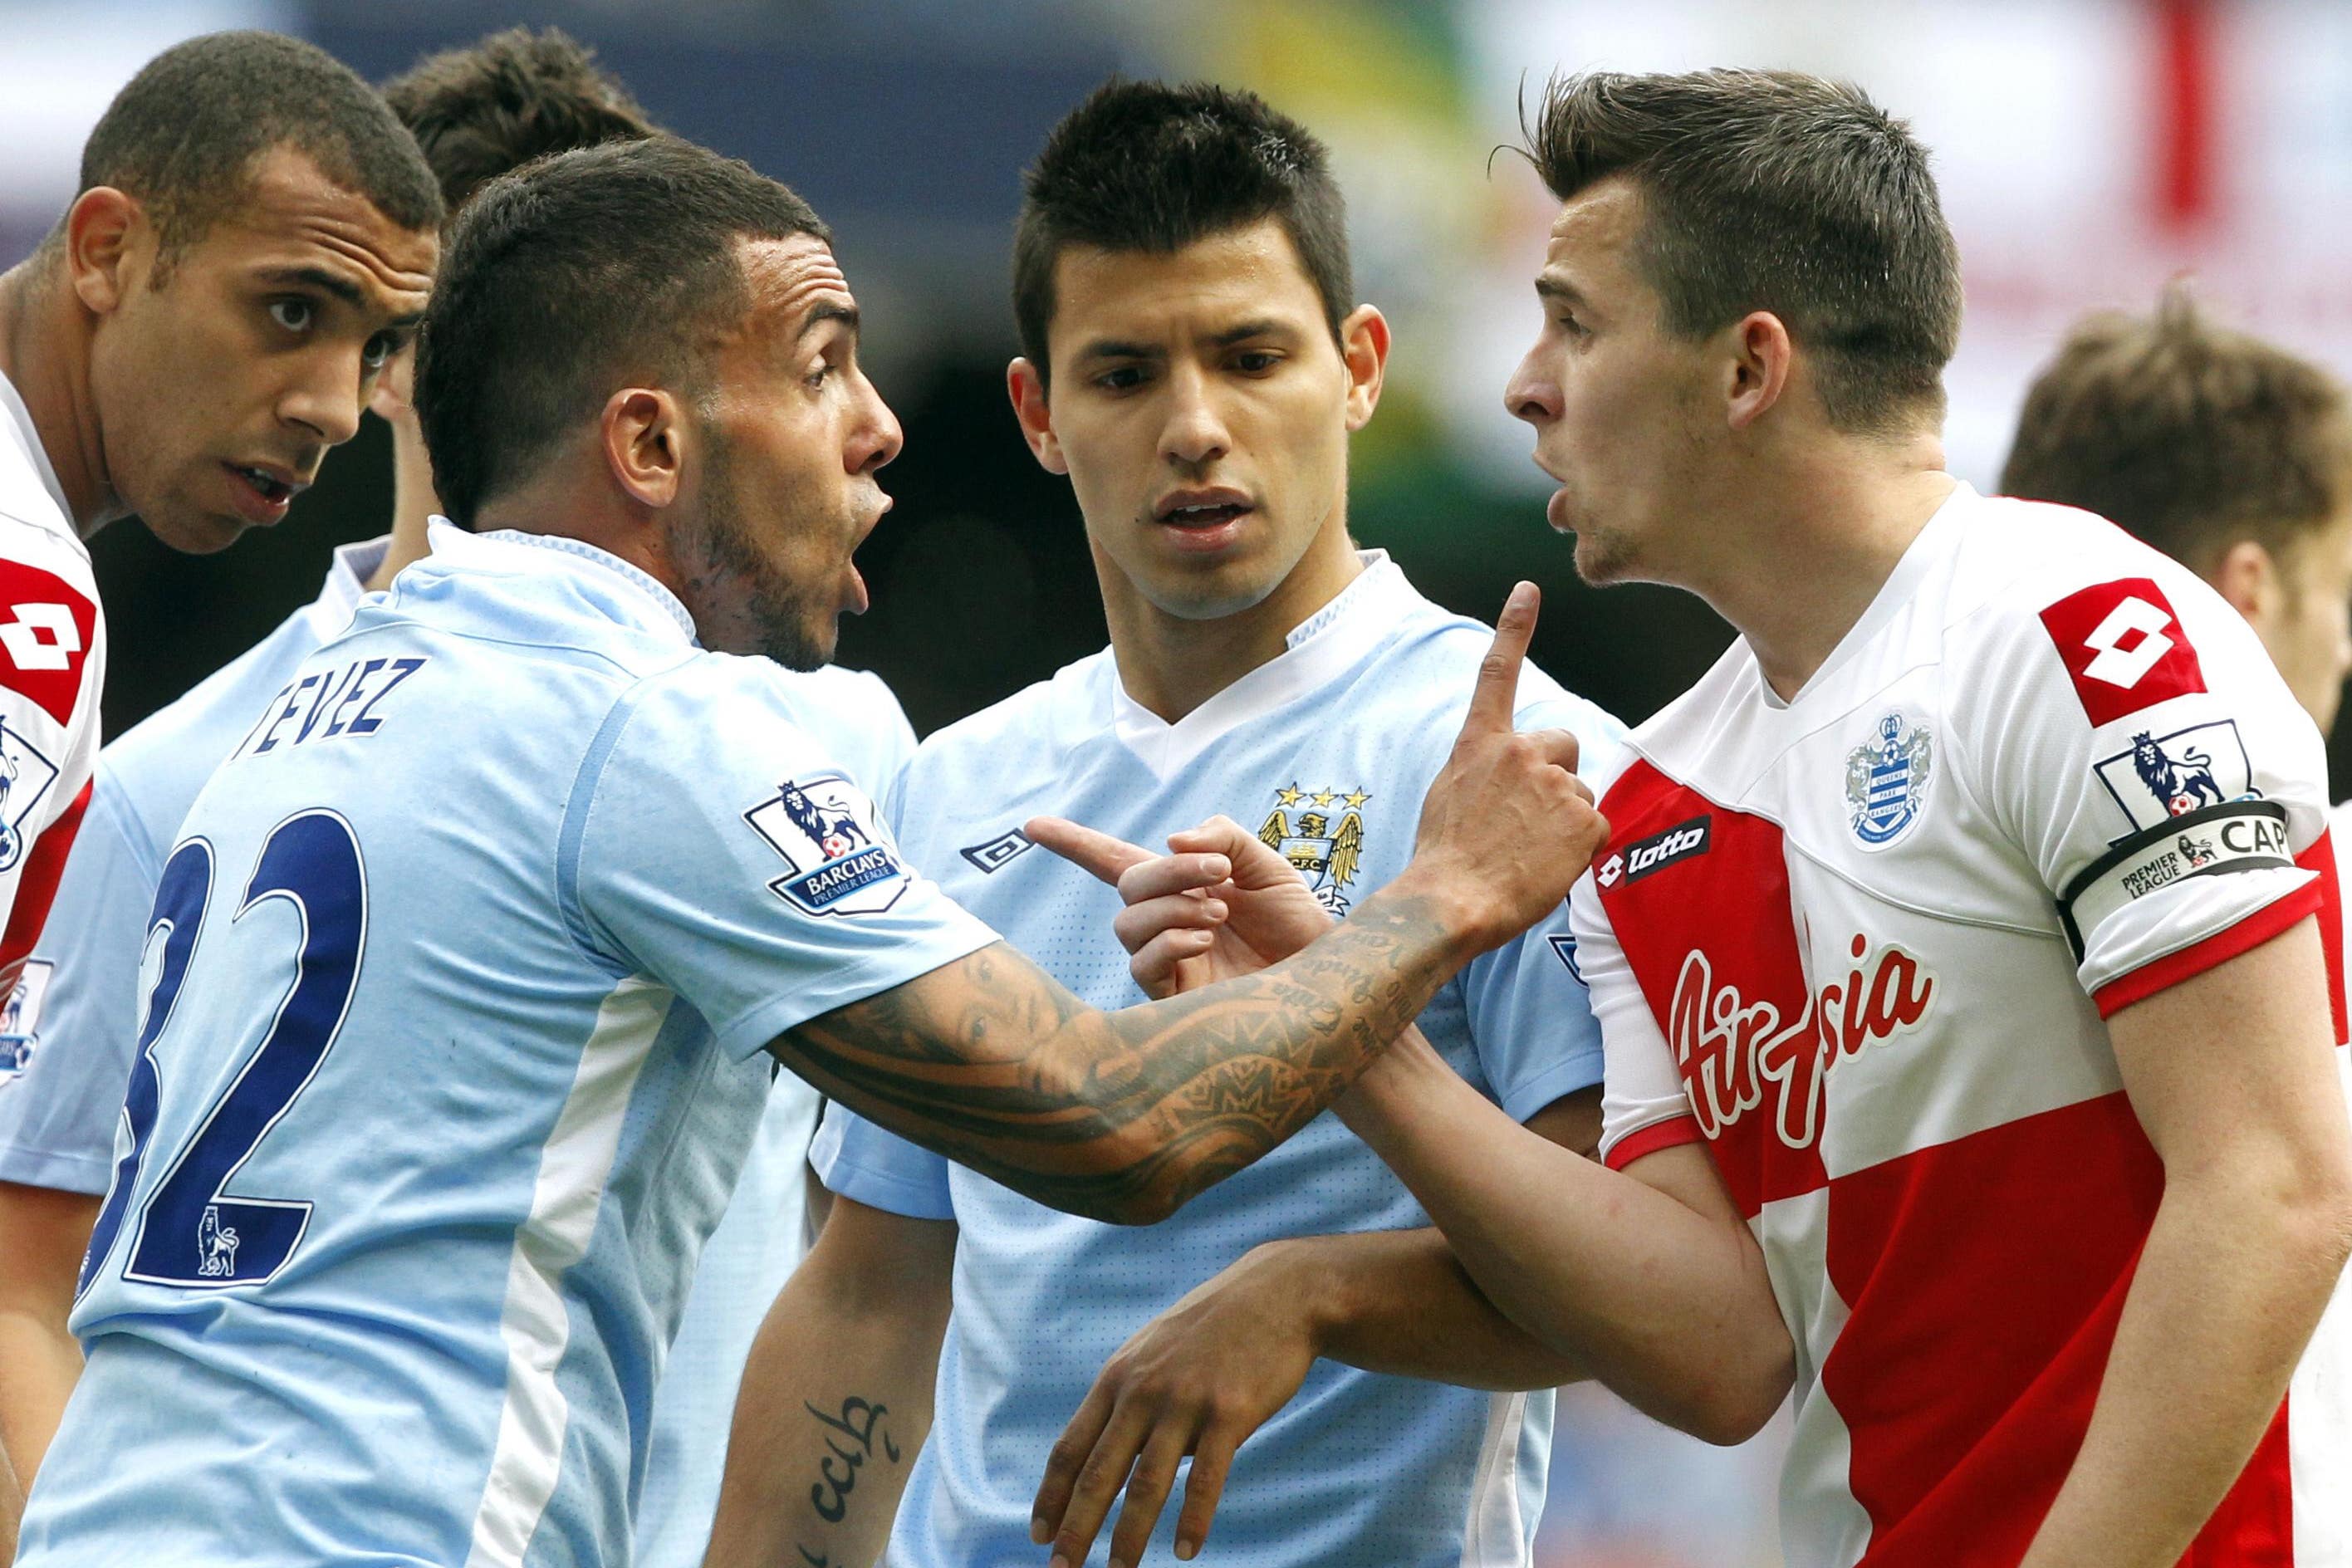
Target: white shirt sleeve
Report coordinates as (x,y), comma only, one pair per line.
(2123,725)
(52,668)
(1643,1106)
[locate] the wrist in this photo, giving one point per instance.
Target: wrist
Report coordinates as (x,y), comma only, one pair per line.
(1296,1280)
(1451,903)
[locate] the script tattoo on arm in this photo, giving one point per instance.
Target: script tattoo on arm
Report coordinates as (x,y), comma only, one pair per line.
(850,1438)
(1123,1116)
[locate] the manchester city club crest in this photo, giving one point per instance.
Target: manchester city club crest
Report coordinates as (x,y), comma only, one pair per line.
(1886,779)
(1321,832)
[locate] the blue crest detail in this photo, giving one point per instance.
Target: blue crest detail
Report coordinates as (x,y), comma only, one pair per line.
(1886,779)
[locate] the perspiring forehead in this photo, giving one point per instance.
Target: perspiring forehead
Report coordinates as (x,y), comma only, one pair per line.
(796,284)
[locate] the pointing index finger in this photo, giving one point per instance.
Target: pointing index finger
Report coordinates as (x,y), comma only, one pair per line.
(1496,693)
(1105,856)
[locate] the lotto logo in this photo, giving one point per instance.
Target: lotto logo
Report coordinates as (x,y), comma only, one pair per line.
(41,636)
(47,629)
(2123,647)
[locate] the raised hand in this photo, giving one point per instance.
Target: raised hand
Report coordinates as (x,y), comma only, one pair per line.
(1219,905)
(1508,825)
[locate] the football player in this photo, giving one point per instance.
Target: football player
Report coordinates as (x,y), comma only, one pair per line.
(1195,360)
(252,245)
(1963,950)
(471,956)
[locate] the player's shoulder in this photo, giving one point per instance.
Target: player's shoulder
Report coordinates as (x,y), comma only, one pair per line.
(1430,657)
(2039,586)
(1029,733)
(168,755)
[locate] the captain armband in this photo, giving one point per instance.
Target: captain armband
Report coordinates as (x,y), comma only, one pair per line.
(2236,836)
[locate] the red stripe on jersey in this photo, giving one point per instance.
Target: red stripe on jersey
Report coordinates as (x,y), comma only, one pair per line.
(46,627)
(38,888)
(2198,957)
(2321,857)
(1667,1134)
(2122,646)
(1983,1279)
(1710,938)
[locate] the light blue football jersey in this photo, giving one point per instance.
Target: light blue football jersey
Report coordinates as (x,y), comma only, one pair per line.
(457,981)
(1325,753)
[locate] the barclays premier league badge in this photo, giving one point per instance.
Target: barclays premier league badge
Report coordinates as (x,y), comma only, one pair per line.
(1886,779)
(818,825)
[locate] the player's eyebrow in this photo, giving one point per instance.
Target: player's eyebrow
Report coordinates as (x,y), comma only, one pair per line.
(1264,326)
(1550,287)
(826,310)
(1116,348)
(337,285)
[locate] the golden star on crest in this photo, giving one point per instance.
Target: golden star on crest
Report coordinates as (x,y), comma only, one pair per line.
(1324,797)
(1355,798)
(1290,796)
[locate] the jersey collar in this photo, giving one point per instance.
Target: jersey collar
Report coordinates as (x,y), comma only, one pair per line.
(346,585)
(621,589)
(1317,650)
(27,436)
(1931,544)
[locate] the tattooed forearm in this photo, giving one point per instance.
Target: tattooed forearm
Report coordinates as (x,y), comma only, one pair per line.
(852,1438)
(1123,1116)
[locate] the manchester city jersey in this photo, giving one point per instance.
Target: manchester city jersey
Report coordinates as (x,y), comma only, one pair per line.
(457,981)
(1325,752)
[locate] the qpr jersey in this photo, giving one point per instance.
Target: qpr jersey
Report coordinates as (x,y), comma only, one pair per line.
(457,985)
(1862,944)
(52,670)
(1325,752)
(76,1033)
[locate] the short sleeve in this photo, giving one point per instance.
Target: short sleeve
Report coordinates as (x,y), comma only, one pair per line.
(52,669)
(1526,1005)
(1643,1106)
(70,1030)
(2133,739)
(712,843)
(860,1162)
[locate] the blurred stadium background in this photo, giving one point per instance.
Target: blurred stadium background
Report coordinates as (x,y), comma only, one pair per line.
(2089,149)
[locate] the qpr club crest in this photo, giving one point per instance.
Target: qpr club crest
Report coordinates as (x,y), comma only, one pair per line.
(1321,833)
(1886,779)
(818,825)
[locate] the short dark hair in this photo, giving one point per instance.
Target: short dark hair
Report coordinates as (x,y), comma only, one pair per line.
(569,275)
(184,135)
(2188,434)
(515,96)
(1141,165)
(1780,192)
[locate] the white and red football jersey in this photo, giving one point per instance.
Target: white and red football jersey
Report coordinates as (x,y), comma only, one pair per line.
(1862,945)
(52,670)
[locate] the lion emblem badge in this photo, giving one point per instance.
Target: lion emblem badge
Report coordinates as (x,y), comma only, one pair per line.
(1886,779)
(1321,833)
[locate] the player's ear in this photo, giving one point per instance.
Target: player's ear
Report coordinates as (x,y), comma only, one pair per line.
(1758,368)
(1026,385)
(644,441)
(1364,349)
(2247,576)
(103,229)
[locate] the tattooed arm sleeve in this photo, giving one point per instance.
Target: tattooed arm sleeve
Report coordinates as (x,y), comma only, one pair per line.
(1124,1116)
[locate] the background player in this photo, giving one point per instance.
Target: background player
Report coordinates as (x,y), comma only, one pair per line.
(253,242)
(470,952)
(2228,454)
(1195,364)
(1990,1067)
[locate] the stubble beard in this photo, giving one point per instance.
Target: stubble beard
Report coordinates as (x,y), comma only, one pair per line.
(792,623)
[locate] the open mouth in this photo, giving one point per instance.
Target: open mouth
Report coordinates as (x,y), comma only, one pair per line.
(1213,515)
(262,494)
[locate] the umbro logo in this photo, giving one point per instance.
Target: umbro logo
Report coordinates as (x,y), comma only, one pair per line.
(998,852)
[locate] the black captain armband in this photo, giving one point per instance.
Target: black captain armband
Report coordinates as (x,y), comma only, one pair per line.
(2236,836)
